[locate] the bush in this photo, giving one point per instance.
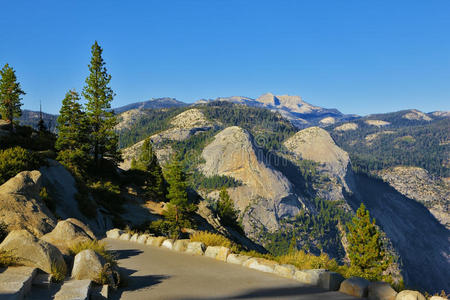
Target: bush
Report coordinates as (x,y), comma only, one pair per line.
(3,231)
(59,272)
(7,258)
(15,160)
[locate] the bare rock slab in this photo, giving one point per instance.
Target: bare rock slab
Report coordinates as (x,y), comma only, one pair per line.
(410,295)
(196,248)
(381,291)
(114,233)
(355,286)
(74,289)
(261,264)
(33,252)
(16,282)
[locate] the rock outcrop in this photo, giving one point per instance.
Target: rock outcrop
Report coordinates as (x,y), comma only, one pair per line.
(65,235)
(88,265)
(34,252)
(416,115)
(21,206)
(417,184)
(316,144)
(233,154)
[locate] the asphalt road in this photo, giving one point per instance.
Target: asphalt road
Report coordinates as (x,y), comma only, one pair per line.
(157,273)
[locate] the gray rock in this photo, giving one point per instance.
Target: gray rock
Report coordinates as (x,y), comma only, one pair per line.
(237,259)
(114,233)
(16,282)
(196,248)
(309,276)
(381,291)
(33,252)
(87,265)
(355,286)
(410,295)
(65,235)
(181,245)
(330,281)
(74,289)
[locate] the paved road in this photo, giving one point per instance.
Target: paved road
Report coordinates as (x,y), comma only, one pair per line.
(156,273)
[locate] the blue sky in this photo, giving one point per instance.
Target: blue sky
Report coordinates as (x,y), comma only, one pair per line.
(357,56)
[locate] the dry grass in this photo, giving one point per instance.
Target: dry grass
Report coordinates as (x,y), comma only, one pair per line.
(214,239)
(98,247)
(59,272)
(7,258)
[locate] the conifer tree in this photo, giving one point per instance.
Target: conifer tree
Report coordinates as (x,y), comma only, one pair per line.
(226,210)
(155,185)
(101,118)
(10,95)
(179,210)
(367,257)
(73,140)
(41,124)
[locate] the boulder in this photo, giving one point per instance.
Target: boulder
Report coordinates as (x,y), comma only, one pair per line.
(410,295)
(150,240)
(381,291)
(309,276)
(237,259)
(330,281)
(180,245)
(134,237)
(21,206)
(114,233)
(83,226)
(125,237)
(286,271)
(33,252)
(438,298)
(157,241)
(143,238)
(88,265)
(217,252)
(260,264)
(167,244)
(65,235)
(196,248)
(355,286)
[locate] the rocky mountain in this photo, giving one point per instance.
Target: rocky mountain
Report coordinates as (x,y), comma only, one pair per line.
(282,172)
(31,118)
(151,104)
(293,108)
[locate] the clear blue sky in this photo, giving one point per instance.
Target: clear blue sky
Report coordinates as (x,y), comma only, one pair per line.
(358,56)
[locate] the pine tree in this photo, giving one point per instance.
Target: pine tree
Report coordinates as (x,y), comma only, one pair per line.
(73,140)
(179,210)
(10,95)
(155,185)
(41,124)
(226,210)
(367,257)
(102,119)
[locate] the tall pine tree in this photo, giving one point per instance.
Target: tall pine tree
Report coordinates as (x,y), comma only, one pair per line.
(180,209)
(73,139)
(226,210)
(10,95)
(155,184)
(101,118)
(367,256)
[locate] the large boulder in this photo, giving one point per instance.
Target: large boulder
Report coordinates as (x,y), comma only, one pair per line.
(156,241)
(34,252)
(286,271)
(355,286)
(143,238)
(134,237)
(330,281)
(168,244)
(381,291)
(237,259)
(181,245)
(83,226)
(261,264)
(196,248)
(114,233)
(65,235)
(88,265)
(217,252)
(410,295)
(309,276)
(125,236)
(21,206)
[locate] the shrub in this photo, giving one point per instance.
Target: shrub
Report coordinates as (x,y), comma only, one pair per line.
(15,160)
(214,239)
(7,258)
(98,247)
(59,272)
(3,231)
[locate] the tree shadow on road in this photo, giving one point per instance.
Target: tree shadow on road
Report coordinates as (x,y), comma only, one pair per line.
(122,254)
(134,283)
(288,292)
